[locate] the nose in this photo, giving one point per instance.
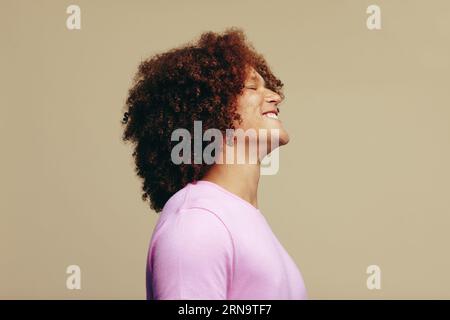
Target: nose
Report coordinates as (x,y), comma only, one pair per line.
(273,97)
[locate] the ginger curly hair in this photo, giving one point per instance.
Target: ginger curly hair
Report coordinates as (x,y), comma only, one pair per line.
(197,81)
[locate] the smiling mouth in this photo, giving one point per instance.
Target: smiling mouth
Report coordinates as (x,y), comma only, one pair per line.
(271,115)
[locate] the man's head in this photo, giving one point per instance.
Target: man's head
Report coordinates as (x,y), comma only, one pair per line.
(219,80)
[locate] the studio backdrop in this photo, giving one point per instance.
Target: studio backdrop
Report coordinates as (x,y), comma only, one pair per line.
(361,200)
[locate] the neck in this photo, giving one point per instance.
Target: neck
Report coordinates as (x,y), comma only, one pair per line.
(240,179)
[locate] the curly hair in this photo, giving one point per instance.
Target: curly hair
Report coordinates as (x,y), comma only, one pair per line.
(199,81)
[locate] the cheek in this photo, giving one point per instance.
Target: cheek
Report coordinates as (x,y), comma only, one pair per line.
(249,107)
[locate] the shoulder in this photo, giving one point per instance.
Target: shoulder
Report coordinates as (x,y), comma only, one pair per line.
(200,221)
(198,198)
(191,227)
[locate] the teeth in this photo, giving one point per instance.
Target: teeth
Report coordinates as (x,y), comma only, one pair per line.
(271,115)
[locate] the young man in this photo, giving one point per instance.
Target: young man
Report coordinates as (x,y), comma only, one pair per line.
(211,240)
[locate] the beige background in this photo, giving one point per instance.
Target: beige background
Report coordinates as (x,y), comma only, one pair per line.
(365,179)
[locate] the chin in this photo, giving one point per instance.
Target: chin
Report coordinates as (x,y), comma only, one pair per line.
(284,138)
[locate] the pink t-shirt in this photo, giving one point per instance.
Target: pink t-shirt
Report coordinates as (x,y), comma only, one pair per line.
(209,243)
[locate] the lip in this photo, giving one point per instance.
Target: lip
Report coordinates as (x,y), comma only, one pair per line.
(271,111)
(266,115)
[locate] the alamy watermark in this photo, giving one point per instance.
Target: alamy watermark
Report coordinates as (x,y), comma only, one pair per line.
(373,281)
(73,281)
(238,146)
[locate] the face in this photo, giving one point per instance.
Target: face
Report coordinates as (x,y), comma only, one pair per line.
(258,107)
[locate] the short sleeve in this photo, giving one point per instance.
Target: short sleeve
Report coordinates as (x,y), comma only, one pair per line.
(193,258)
